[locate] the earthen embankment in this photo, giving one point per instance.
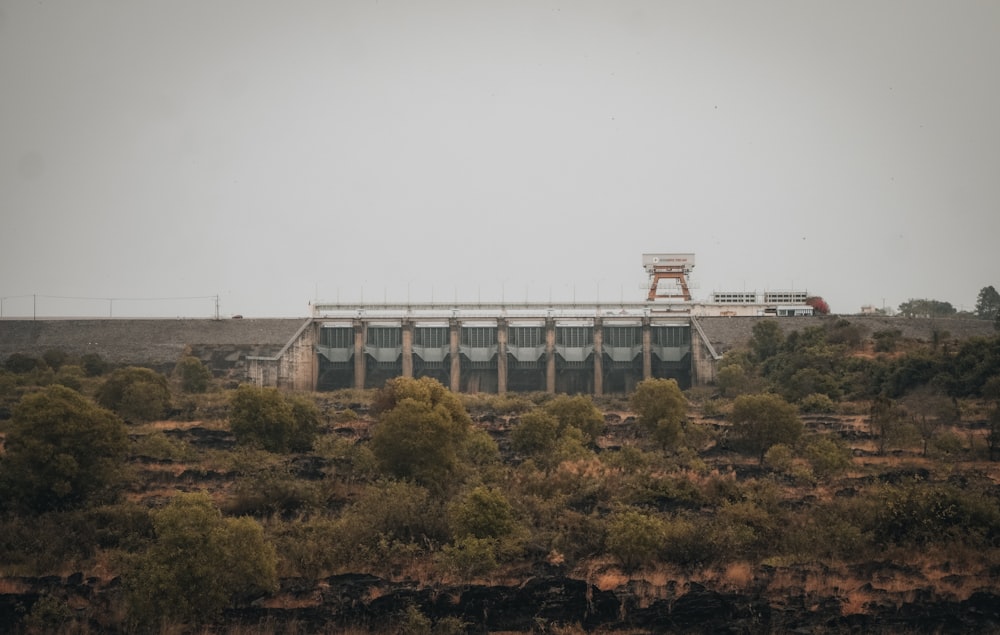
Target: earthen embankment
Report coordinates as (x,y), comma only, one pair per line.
(150,342)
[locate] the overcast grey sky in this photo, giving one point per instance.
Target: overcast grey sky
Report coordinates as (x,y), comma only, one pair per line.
(273,152)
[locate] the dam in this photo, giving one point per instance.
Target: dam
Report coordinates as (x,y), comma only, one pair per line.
(574,347)
(594,348)
(566,348)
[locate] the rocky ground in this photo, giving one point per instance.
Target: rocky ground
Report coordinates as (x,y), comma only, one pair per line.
(936,596)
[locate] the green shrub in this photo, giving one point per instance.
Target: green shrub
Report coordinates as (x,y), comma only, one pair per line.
(421,433)
(274,490)
(828,457)
(267,418)
(760,421)
(54,358)
(745,529)
(413,622)
(579,412)
(948,444)
(35,545)
(629,459)
(535,434)
(136,394)
(920,513)
(309,546)
(193,374)
(354,461)
(470,557)
(19,363)
(711,408)
(70,376)
(482,513)
(399,511)
(817,403)
(779,457)
(159,446)
(62,451)
(198,565)
(661,407)
(635,538)
(731,380)
(49,615)
(887,340)
(93,364)
(345,416)
(828,532)
(684,543)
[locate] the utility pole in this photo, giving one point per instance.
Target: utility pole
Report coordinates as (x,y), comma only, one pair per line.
(216,306)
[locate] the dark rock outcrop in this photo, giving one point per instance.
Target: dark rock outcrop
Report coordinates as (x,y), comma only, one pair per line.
(540,603)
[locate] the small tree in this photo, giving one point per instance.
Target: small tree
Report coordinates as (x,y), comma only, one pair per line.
(20,363)
(828,457)
(886,422)
(54,358)
(135,393)
(62,451)
(886,340)
(766,340)
(421,432)
(988,304)
(193,374)
(763,420)
(483,513)
(199,564)
(661,407)
(535,433)
(93,364)
(578,411)
(635,538)
(929,411)
(264,417)
(731,380)
(926,308)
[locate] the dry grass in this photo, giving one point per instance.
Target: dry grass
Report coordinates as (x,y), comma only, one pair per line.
(950,575)
(13,587)
(159,426)
(736,576)
(292,602)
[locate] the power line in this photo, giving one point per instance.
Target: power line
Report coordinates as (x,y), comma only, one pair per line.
(118,299)
(110,300)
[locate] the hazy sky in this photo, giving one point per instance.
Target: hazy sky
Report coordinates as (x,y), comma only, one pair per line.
(275,152)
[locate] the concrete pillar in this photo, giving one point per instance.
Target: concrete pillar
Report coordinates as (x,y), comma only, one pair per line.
(647,349)
(598,357)
(407,348)
(314,382)
(501,356)
(550,355)
(456,356)
(304,365)
(359,354)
